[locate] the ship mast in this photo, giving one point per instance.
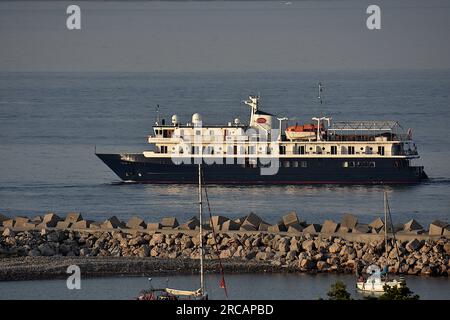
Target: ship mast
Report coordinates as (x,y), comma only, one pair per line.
(200,202)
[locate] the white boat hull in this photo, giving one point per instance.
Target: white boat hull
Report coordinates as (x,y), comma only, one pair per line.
(376,286)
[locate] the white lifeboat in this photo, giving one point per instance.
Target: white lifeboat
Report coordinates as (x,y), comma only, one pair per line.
(301,132)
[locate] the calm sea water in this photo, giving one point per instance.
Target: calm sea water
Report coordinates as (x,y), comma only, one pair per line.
(50,123)
(240,287)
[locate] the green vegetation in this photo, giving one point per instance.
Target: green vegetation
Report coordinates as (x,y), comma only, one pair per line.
(338,291)
(398,293)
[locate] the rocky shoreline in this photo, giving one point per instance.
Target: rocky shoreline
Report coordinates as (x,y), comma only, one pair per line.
(115,248)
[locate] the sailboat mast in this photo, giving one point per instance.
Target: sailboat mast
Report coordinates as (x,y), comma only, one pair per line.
(385,226)
(200,202)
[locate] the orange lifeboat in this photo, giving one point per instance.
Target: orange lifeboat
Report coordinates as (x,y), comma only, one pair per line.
(301,132)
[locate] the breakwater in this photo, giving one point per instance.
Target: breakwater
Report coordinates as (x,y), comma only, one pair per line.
(288,245)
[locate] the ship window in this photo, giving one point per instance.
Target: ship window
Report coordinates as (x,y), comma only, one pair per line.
(303,164)
(295,164)
(282,149)
(351,150)
(251,150)
(198,132)
(345,164)
(301,150)
(286,164)
(381,150)
(163,149)
(333,149)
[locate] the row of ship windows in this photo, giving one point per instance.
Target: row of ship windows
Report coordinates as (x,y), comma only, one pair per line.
(251,150)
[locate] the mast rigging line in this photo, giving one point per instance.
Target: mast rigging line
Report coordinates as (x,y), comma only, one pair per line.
(222,273)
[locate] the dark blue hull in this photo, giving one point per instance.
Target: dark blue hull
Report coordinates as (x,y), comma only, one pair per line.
(137,168)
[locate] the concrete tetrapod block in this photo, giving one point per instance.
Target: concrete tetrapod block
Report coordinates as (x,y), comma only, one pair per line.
(291,219)
(169,223)
(63,225)
(329,226)
(112,223)
(263,226)
(217,222)
(20,221)
(230,225)
(277,227)
(83,224)
(437,228)
(313,228)
(295,228)
(136,223)
(253,220)
(191,224)
(349,221)
(153,226)
(73,217)
(361,228)
(247,226)
(412,225)
(376,225)
(50,220)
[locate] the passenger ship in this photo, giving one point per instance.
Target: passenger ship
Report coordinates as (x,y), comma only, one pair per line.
(273,150)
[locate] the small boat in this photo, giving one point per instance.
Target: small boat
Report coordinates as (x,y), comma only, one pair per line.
(378,278)
(176,294)
(301,132)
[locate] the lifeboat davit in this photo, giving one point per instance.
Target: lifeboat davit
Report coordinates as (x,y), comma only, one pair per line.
(302,132)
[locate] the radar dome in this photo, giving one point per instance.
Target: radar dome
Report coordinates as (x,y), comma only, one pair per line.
(174,119)
(237,121)
(196,118)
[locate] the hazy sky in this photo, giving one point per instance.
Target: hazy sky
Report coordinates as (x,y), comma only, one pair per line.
(224,36)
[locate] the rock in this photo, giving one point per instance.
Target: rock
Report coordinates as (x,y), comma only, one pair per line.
(447,247)
(7,232)
(37,219)
(112,223)
(225,254)
(230,225)
(264,256)
(143,251)
(292,219)
(169,223)
(283,245)
(252,219)
(412,225)
(191,224)
(349,221)
(437,228)
(413,245)
(307,264)
(322,265)
(63,225)
(312,228)
(73,217)
(217,222)
(157,238)
(46,250)
(276,228)
(308,245)
(153,226)
(50,220)
(334,248)
(136,223)
(82,224)
(361,228)
(8,223)
(329,226)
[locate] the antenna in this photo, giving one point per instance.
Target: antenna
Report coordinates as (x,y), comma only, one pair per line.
(157,114)
(319,92)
